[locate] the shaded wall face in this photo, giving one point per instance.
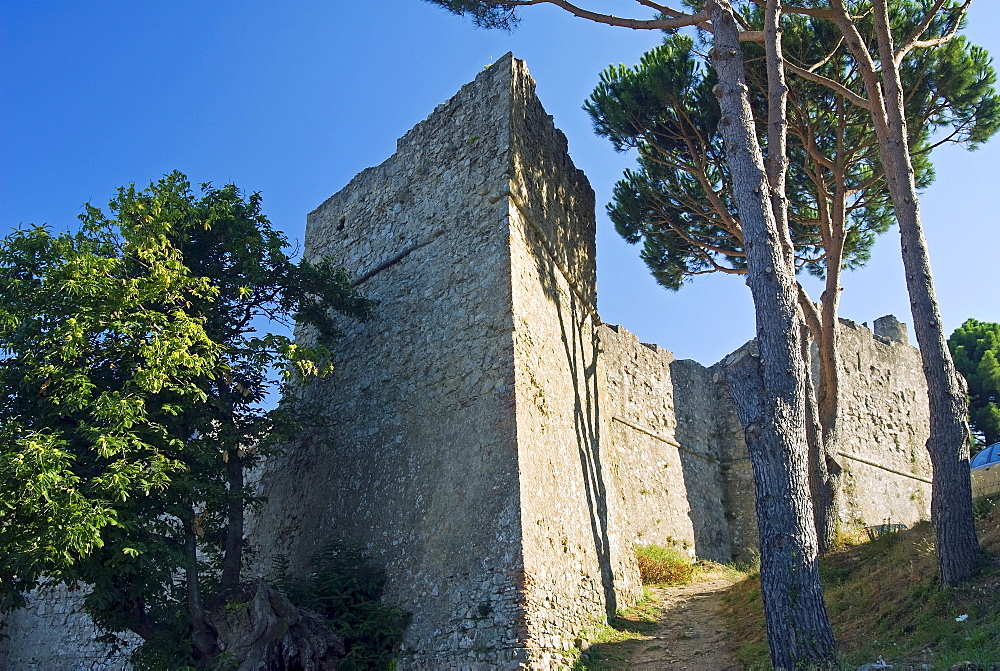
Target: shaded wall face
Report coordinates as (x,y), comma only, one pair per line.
(54,632)
(578,564)
(416,454)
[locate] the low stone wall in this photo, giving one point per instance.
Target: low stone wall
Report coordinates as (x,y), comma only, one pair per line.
(53,632)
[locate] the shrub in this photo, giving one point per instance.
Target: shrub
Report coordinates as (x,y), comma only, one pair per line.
(663,565)
(346,589)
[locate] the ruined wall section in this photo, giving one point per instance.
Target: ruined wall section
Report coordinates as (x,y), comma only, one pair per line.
(667,445)
(418,460)
(578,563)
(884,429)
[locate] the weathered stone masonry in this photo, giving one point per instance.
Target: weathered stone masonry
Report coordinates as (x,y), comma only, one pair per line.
(496,447)
(680,462)
(466,452)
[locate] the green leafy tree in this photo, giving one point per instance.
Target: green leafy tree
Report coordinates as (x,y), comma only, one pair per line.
(679,202)
(96,346)
(136,377)
(975,346)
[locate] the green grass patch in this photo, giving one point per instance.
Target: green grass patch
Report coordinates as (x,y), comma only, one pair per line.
(884,600)
(609,646)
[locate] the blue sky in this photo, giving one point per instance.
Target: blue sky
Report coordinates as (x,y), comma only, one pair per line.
(293,98)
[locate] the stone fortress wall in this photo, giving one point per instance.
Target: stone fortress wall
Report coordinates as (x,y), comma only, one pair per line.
(680,462)
(465,452)
(421,463)
(495,446)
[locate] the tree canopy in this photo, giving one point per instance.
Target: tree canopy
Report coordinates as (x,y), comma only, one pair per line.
(678,203)
(97,351)
(975,345)
(136,373)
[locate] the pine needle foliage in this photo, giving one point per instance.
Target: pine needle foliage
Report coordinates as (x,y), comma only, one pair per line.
(678,201)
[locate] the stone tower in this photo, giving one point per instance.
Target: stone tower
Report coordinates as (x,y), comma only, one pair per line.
(464,449)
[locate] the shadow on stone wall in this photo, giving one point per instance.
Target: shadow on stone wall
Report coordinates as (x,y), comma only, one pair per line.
(558,210)
(580,346)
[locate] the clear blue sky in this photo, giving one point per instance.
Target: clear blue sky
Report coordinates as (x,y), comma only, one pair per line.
(293,98)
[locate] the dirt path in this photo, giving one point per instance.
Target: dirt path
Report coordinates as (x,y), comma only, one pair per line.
(691,633)
(682,627)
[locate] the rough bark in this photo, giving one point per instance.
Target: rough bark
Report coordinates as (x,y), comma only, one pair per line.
(261,629)
(823,471)
(823,395)
(769,391)
(777,126)
(828,409)
(201,634)
(958,550)
(829,365)
(798,629)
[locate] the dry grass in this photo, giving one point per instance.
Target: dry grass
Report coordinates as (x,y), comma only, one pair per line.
(660,565)
(884,599)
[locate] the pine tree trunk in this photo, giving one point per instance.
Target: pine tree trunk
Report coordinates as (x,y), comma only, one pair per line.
(824,482)
(957,545)
(798,629)
(958,550)
(770,391)
(829,404)
(822,414)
